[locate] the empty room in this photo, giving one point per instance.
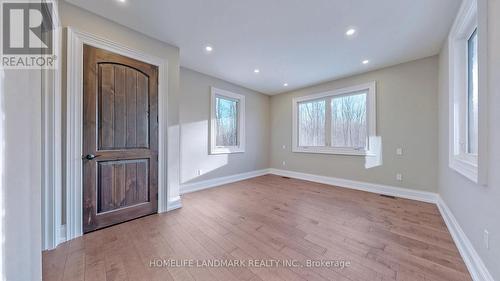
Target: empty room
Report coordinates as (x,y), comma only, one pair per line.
(250,140)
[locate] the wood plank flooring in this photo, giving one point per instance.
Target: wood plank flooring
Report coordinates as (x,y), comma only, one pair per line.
(270,218)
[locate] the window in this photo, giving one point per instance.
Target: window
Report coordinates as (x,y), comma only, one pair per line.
(472,94)
(312,123)
(227,126)
(335,122)
(467,92)
(349,121)
(226,117)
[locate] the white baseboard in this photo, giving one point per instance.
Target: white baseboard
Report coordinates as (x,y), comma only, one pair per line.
(424,196)
(474,263)
(196,186)
(174,203)
(62,234)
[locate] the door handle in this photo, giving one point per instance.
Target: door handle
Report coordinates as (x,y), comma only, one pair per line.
(90,156)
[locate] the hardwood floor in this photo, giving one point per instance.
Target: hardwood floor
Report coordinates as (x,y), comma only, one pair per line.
(270,218)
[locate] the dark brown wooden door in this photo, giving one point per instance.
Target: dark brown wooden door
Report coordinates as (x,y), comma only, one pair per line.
(120,139)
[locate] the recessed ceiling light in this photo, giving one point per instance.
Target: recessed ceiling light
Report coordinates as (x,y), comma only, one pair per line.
(209,48)
(366,62)
(285,84)
(256,70)
(122,1)
(350,32)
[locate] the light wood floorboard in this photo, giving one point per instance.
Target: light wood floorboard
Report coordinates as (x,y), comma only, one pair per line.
(270,218)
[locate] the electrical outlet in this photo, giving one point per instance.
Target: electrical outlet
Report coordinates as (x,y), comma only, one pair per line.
(399,177)
(283,163)
(486,238)
(399,151)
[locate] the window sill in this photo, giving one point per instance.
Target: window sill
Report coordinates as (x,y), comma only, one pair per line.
(334,151)
(226,150)
(466,168)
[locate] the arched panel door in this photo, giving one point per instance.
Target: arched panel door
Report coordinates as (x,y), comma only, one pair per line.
(120,139)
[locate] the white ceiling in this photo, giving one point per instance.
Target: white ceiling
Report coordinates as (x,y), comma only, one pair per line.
(301,42)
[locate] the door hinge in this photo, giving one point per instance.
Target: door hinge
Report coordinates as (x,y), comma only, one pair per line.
(156,196)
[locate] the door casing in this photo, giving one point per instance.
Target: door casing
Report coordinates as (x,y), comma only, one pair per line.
(74,129)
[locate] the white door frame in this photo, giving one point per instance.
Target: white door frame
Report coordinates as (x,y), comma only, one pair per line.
(74,113)
(52,143)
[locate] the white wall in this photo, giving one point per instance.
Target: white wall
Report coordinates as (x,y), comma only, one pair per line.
(475,207)
(21,182)
(406,117)
(194,119)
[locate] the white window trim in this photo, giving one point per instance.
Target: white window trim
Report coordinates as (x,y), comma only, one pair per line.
(240,148)
(371,115)
(472,15)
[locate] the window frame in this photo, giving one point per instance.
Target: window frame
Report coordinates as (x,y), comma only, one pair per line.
(471,18)
(371,120)
(240,148)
